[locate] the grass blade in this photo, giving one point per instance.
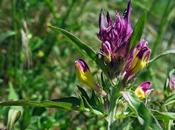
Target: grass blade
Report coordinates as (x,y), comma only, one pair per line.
(68,105)
(138,30)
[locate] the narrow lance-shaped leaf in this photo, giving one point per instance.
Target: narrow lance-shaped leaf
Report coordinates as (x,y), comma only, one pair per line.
(65,103)
(138,30)
(164,115)
(163,22)
(82,47)
(169,100)
(5,35)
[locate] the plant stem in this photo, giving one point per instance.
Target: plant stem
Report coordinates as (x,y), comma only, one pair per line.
(111,118)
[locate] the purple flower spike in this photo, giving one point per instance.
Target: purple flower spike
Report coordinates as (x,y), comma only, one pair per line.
(115,36)
(137,59)
(116,33)
(172,82)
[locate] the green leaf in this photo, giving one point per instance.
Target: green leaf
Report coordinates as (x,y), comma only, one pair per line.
(12,94)
(144,115)
(164,115)
(81,46)
(91,109)
(65,103)
(6,35)
(163,24)
(165,53)
(170,100)
(138,30)
(83,93)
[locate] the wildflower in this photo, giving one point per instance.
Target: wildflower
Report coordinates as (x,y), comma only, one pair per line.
(172,82)
(137,59)
(84,75)
(143,89)
(115,36)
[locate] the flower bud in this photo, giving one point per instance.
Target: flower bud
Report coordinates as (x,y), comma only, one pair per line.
(137,59)
(143,89)
(84,74)
(106,51)
(172,82)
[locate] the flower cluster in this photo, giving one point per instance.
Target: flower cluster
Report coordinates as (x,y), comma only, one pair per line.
(115,52)
(115,39)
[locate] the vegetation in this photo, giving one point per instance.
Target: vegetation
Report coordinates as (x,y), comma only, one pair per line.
(77,64)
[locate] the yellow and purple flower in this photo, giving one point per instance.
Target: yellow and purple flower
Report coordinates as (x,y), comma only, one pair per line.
(85,76)
(137,59)
(143,90)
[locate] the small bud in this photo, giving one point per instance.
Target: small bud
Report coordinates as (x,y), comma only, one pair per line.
(106,52)
(84,74)
(143,89)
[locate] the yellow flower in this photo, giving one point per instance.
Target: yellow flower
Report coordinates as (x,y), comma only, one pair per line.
(140,93)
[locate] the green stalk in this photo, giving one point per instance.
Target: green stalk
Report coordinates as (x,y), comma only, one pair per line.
(115,94)
(111,118)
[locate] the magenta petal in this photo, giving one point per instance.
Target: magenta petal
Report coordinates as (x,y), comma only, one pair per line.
(146,86)
(82,64)
(106,48)
(172,82)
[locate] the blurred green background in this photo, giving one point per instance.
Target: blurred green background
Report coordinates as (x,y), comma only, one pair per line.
(38,64)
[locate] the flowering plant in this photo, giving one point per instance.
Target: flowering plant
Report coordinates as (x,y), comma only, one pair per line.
(116,97)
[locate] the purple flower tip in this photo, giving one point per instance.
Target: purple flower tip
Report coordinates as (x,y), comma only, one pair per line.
(172,82)
(116,33)
(146,87)
(81,65)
